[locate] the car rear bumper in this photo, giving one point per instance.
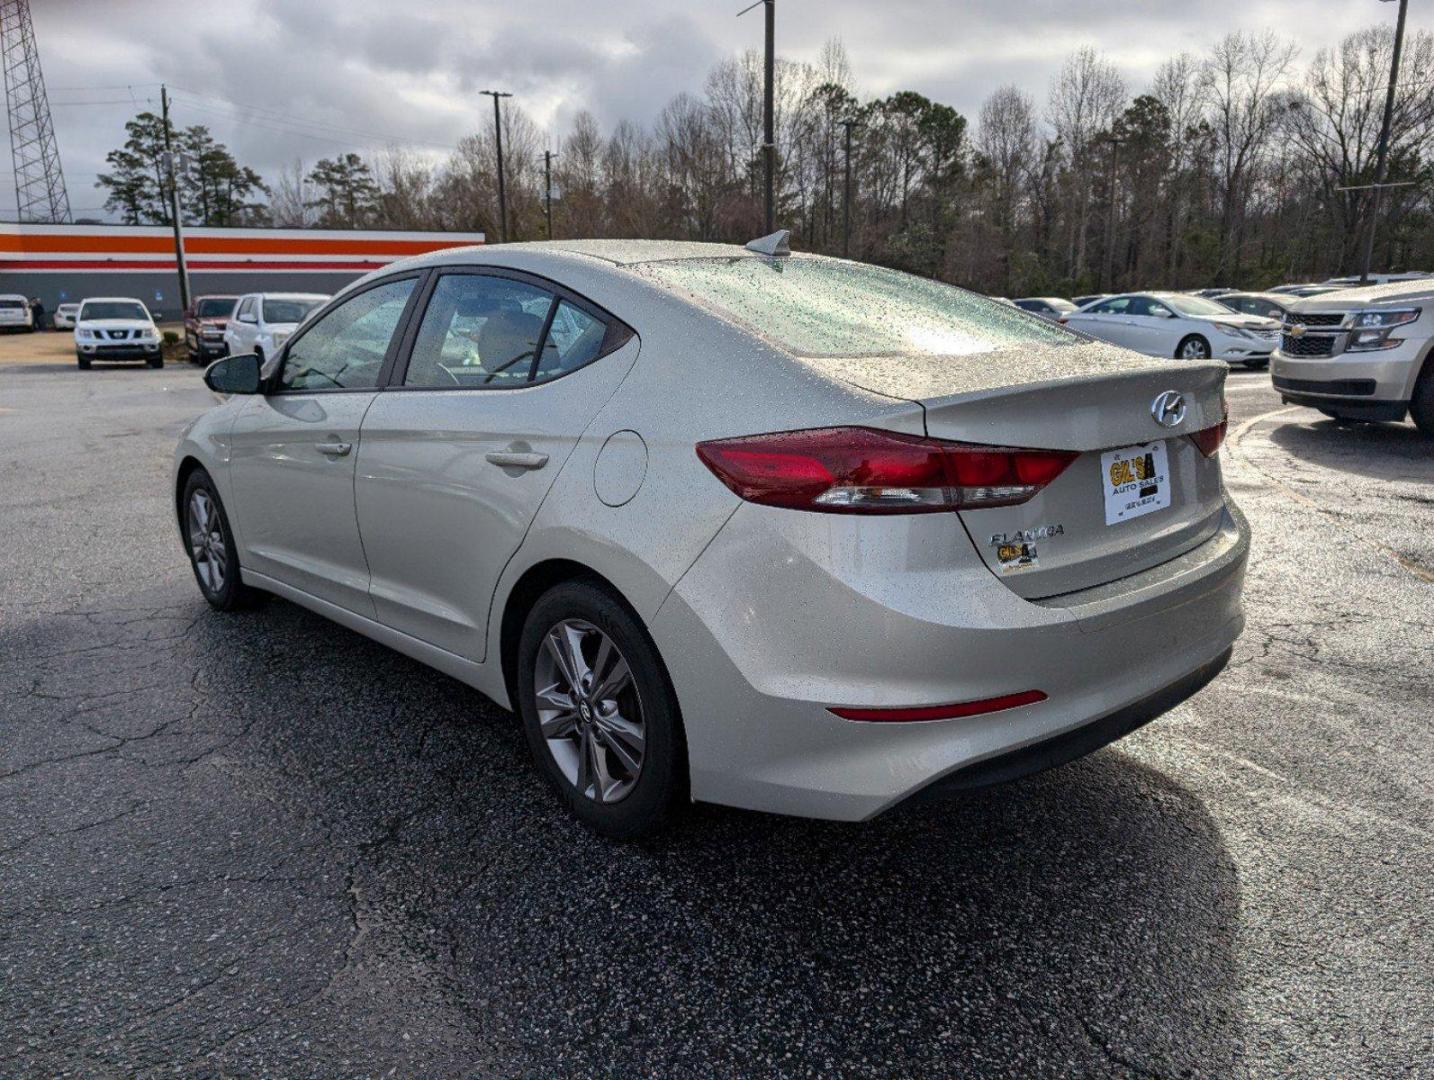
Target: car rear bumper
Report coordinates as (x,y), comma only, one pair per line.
(761,640)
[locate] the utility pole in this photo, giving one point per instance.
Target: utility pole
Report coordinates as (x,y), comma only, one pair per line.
(548,156)
(846,192)
(1110,213)
(169,167)
(497,95)
(1382,157)
(769,143)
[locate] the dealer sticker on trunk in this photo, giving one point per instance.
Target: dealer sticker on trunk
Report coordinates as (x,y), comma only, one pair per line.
(1136,480)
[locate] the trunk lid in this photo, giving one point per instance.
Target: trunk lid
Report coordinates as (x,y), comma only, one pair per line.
(1078,531)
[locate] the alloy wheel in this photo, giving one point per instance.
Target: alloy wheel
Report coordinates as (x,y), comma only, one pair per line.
(589,711)
(206,541)
(1194,349)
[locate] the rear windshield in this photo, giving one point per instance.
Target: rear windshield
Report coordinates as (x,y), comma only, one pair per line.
(112,309)
(214,307)
(287,311)
(12,304)
(824,307)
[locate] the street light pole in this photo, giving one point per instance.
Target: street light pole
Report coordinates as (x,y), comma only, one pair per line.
(1382,155)
(168,162)
(769,143)
(846,192)
(548,156)
(496,95)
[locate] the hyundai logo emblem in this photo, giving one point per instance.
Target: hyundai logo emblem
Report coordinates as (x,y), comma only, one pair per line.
(1168,409)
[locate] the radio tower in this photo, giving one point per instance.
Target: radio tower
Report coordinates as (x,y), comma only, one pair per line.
(39,184)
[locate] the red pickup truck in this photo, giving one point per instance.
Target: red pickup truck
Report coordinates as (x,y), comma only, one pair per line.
(204,323)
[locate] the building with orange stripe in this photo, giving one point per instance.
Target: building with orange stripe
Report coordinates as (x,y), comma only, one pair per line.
(66,263)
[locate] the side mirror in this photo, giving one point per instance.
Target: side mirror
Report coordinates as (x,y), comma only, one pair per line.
(234,375)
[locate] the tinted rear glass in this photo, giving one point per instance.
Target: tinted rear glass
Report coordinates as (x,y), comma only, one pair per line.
(11,304)
(288,311)
(822,307)
(215,308)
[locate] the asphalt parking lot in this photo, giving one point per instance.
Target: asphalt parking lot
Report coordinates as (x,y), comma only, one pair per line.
(262,845)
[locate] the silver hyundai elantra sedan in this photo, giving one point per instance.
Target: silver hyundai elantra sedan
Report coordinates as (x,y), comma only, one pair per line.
(730,524)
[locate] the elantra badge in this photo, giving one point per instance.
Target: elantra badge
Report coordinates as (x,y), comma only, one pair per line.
(1168,408)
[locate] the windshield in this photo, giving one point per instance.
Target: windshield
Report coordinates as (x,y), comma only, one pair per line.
(214,307)
(12,304)
(113,309)
(824,307)
(288,311)
(1196,306)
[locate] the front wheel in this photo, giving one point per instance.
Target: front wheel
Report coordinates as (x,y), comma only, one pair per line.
(1421,403)
(83,361)
(599,713)
(1193,347)
(210,543)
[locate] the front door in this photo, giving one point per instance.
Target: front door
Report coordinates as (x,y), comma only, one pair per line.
(457,458)
(294,449)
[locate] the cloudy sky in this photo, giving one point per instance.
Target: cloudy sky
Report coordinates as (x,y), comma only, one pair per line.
(283,79)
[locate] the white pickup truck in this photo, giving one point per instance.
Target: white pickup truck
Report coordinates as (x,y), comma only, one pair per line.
(1361,354)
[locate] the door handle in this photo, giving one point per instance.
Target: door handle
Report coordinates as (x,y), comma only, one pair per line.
(516,459)
(334,449)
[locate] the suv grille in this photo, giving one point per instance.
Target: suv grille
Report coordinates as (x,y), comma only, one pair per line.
(1307,345)
(1332,318)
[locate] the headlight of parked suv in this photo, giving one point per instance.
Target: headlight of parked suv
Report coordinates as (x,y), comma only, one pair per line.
(1371,329)
(85,335)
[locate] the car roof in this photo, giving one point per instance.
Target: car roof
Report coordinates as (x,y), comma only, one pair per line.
(13,296)
(113,300)
(290,295)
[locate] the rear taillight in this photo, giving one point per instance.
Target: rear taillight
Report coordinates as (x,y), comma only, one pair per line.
(865,471)
(1210,438)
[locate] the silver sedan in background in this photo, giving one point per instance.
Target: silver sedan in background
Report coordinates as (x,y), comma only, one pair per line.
(777,531)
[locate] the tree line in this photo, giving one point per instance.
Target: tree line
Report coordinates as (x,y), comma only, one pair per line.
(1240,165)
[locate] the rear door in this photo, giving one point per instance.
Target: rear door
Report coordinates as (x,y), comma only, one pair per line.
(1152,327)
(504,374)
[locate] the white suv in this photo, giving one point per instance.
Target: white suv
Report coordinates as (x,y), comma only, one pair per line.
(262,322)
(116,328)
(15,313)
(1361,354)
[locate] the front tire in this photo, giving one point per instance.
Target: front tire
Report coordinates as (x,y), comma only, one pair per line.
(599,712)
(83,361)
(1421,402)
(1193,347)
(210,543)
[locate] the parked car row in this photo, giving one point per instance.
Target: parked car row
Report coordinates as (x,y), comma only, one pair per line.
(1236,326)
(122,328)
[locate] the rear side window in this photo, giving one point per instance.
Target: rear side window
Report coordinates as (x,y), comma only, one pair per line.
(824,307)
(479,331)
(345,348)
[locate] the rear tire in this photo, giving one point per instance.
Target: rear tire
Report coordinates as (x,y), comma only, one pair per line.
(155,361)
(639,720)
(1421,402)
(1193,347)
(209,542)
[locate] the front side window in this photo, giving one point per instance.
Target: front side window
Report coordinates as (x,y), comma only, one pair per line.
(825,307)
(246,309)
(344,349)
(480,331)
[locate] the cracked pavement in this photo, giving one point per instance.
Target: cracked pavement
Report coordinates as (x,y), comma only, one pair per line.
(261,845)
